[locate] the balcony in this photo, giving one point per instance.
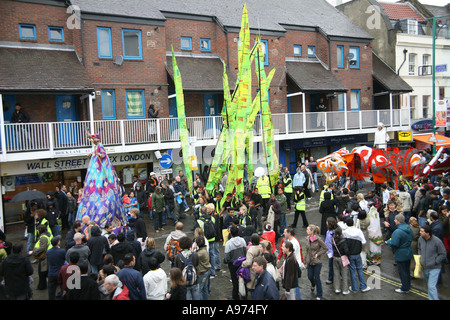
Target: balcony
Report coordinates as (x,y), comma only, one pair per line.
(62,139)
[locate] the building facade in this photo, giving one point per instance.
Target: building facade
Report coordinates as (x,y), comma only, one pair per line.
(83,66)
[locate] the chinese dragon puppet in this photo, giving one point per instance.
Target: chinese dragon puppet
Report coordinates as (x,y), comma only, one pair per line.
(370,164)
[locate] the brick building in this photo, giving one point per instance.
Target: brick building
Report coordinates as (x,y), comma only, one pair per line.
(85,65)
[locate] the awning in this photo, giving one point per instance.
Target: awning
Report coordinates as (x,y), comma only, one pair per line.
(200,74)
(387,78)
(42,70)
(441,141)
(312,76)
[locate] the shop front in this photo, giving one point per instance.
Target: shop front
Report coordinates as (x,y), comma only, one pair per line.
(45,175)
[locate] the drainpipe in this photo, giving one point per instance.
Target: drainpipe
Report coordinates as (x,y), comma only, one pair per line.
(404,60)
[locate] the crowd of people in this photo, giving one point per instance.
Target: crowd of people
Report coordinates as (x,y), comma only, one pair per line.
(264,256)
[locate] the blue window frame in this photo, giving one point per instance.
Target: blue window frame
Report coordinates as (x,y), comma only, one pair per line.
(135,103)
(27,31)
(186,43)
(108,104)
(355,99)
(340,56)
(297,50)
(104,43)
(205,44)
(354,61)
(311,51)
(55,34)
(132,44)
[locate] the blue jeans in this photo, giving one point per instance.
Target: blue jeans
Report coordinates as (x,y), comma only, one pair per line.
(203,283)
(170,214)
(282,222)
(314,278)
(422,221)
(356,270)
(193,292)
(330,269)
(297,291)
(30,241)
(432,276)
(316,184)
(157,223)
(214,253)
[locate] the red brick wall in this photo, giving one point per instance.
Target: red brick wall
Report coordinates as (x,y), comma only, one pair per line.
(148,74)
(14,13)
(356,78)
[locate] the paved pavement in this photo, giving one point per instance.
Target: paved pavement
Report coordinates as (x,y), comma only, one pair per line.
(384,281)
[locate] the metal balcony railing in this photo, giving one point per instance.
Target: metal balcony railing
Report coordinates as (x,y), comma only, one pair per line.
(50,136)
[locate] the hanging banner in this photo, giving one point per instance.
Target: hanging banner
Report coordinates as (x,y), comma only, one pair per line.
(441,113)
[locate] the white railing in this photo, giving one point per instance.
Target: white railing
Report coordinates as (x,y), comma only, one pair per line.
(71,135)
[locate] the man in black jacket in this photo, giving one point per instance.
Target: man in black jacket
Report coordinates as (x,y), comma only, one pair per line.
(98,245)
(15,270)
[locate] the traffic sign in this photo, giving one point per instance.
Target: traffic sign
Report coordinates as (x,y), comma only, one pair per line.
(165,161)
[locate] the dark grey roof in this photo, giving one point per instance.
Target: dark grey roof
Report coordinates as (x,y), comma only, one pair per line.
(200,74)
(128,8)
(438,11)
(387,77)
(263,15)
(312,76)
(37,70)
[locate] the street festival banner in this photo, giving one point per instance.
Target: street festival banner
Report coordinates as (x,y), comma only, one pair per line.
(239,113)
(182,126)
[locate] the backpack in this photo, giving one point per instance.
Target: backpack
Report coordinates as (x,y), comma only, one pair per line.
(208,227)
(173,249)
(189,272)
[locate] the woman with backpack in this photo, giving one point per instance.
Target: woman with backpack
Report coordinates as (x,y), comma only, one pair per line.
(188,261)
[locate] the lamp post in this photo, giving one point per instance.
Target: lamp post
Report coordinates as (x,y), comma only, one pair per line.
(434,77)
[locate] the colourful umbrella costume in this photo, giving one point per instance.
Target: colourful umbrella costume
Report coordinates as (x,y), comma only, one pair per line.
(102,200)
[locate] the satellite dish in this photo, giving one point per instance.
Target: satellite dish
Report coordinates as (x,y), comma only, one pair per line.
(119,60)
(349,56)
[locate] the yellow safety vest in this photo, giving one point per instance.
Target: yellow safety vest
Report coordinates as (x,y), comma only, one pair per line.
(49,242)
(263,187)
(322,196)
(301,205)
(288,188)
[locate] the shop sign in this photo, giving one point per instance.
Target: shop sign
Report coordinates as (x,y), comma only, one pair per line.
(423,125)
(78,163)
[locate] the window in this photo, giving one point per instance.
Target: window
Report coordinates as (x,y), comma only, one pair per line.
(205,45)
(131,41)
(412,64)
(56,34)
(341,101)
(104,43)
(355,99)
(135,103)
(265,50)
(426,60)
(354,57)
(311,51)
(186,43)
(340,56)
(425,105)
(413,26)
(108,104)
(412,104)
(27,31)
(297,50)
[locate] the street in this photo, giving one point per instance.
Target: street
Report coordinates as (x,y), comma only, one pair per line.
(383,279)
